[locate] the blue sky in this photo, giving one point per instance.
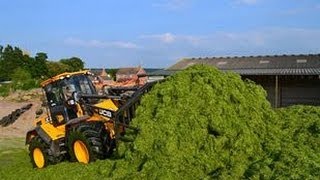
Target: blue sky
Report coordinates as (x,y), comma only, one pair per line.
(119,33)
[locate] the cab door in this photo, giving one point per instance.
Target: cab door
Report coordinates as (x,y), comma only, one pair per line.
(56,105)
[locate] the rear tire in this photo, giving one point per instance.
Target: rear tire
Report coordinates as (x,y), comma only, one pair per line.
(88,142)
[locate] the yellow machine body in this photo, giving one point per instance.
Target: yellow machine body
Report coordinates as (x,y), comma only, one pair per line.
(57,132)
(76,115)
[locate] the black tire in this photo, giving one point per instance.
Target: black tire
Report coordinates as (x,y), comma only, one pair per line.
(36,148)
(4,120)
(93,140)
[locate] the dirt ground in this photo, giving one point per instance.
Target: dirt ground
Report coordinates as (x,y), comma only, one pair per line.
(23,123)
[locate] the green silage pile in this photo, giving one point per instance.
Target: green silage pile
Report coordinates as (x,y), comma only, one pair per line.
(299,157)
(201,123)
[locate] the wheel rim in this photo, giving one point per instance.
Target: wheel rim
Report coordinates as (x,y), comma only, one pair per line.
(38,157)
(81,152)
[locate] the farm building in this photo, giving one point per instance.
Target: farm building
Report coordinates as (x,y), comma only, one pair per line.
(288,79)
(124,74)
(101,77)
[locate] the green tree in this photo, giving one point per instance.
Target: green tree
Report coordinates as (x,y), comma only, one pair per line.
(38,66)
(20,75)
(74,63)
(11,59)
(1,64)
(22,79)
(55,68)
(1,49)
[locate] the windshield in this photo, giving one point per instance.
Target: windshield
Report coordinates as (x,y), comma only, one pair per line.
(60,91)
(80,83)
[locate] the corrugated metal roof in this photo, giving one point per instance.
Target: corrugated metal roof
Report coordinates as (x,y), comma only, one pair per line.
(162,72)
(307,71)
(259,65)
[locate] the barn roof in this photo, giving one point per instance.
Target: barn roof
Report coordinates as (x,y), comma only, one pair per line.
(258,65)
(96,71)
(129,70)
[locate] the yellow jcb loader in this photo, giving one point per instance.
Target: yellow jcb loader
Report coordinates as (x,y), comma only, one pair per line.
(79,124)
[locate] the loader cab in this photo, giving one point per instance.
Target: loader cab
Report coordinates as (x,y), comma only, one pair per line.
(61,96)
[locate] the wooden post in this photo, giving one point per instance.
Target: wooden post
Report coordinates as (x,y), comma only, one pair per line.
(276,92)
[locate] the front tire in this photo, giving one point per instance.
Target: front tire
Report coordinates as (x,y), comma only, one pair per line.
(87,142)
(38,152)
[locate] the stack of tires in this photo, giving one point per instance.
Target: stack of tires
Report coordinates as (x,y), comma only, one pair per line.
(14,115)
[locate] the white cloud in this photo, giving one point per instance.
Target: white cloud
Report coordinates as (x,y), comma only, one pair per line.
(171,4)
(99,44)
(165,38)
(162,50)
(170,38)
(257,42)
(120,44)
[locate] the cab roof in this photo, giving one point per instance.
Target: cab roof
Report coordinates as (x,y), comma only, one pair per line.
(62,76)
